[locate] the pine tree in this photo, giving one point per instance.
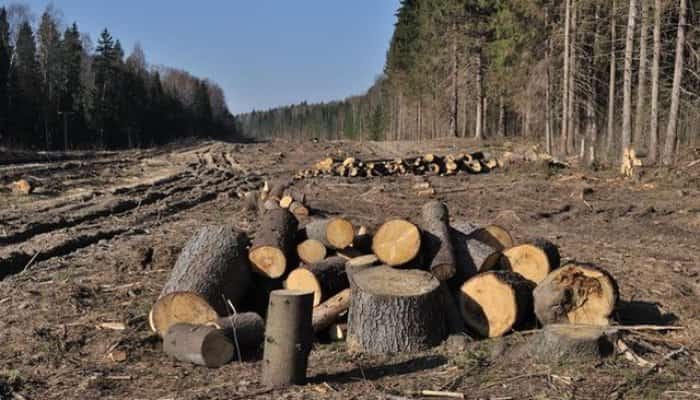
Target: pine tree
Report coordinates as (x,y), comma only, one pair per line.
(5,54)
(25,88)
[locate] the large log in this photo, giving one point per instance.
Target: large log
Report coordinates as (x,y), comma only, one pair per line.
(324,279)
(198,344)
(288,338)
(272,251)
(397,242)
(472,255)
(437,250)
(211,270)
(493,303)
(311,251)
(245,329)
(395,311)
(533,261)
(494,236)
(334,233)
(330,310)
(578,294)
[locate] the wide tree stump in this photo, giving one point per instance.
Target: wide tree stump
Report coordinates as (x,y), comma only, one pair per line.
(288,338)
(330,310)
(334,233)
(311,251)
(493,303)
(272,251)
(437,250)
(212,268)
(198,344)
(323,279)
(570,342)
(395,311)
(397,242)
(533,261)
(577,294)
(246,329)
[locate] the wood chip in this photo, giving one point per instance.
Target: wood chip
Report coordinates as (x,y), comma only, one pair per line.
(115,326)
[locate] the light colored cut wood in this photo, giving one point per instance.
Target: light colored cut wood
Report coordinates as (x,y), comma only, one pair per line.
(397,242)
(311,251)
(180,307)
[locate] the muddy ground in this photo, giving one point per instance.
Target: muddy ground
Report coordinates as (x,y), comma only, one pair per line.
(97,239)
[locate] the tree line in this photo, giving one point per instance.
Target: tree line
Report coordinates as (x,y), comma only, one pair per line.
(59,91)
(593,78)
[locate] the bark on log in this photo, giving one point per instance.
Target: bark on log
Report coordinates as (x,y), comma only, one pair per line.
(311,251)
(330,310)
(472,255)
(397,242)
(212,267)
(324,279)
(272,251)
(494,303)
(557,343)
(198,344)
(494,236)
(395,311)
(299,209)
(288,338)
(437,250)
(533,261)
(334,233)
(247,329)
(577,294)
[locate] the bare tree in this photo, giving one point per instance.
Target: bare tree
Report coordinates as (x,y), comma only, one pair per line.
(655,66)
(611,84)
(572,114)
(627,90)
(671,134)
(591,118)
(641,79)
(565,82)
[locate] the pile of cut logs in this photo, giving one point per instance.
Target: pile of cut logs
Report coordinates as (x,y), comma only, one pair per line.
(404,287)
(429,164)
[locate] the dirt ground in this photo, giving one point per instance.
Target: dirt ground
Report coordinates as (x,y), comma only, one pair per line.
(96,241)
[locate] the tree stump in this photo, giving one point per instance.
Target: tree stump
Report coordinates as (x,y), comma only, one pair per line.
(395,311)
(437,250)
(311,251)
(288,338)
(397,242)
(533,261)
(324,278)
(198,344)
(211,270)
(334,233)
(247,329)
(272,251)
(493,303)
(577,294)
(570,342)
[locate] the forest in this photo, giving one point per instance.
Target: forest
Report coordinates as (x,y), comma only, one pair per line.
(594,78)
(59,90)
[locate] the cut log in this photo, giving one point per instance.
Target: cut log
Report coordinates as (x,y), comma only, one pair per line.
(577,294)
(533,261)
(330,310)
(311,251)
(494,236)
(494,303)
(570,342)
(334,233)
(299,209)
(213,268)
(324,279)
(397,242)
(338,332)
(22,186)
(180,307)
(247,329)
(473,167)
(286,201)
(272,251)
(472,255)
(437,250)
(395,311)
(198,344)
(288,338)
(324,166)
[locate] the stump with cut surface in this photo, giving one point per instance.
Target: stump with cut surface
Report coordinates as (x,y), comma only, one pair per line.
(311,251)
(570,342)
(438,252)
(533,261)
(272,251)
(198,344)
(578,294)
(334,233)
(211,270)
(330,310)
(397,242)
(323,279)
(247,329)
(288,338)
(395,311)
(493,303)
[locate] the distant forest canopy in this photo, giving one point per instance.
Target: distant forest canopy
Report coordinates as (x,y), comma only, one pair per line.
(591,77)
(59,91)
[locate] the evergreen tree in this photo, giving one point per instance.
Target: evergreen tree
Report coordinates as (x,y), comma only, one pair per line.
(51,69)
(5,54)
(25,88)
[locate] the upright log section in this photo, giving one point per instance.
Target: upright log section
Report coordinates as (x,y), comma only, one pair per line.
(323,279)
(577,294)
(334,233)
(211,270)
(397,242)
(437,250)
(288,338)
(272,250)
(493,303)
(395,311)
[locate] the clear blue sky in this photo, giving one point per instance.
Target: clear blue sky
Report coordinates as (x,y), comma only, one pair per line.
(263,53)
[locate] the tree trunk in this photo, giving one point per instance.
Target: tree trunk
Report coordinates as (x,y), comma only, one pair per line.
(655,72)
(437,250)
(454,117)
(671,128)
(502,118)
(565,79)
(642,77)
(627,91)
(611,85)
(479,134)
(395,311)
(273,249)
(324,279)
(288,338)
(547,94)
(572,108)
(198,344)
(591,117)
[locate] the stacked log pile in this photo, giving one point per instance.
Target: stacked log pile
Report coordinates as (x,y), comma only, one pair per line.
(428,164)
(405,287)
